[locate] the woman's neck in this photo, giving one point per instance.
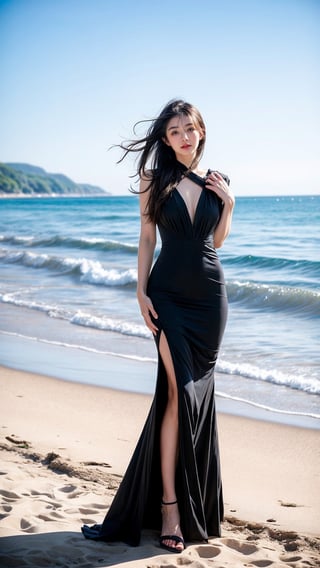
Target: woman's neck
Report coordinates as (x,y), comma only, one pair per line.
(188,162)
(191,165)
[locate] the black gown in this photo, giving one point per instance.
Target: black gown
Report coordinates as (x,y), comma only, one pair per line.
(187,289)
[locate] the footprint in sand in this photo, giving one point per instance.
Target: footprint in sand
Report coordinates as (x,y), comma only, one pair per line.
(52,517)
(87,511)
(71,490)
(242,547)
(53,506)
(290,559)
(27,527)
(67,488)
(35,493)
(5,510)
(9,495)
(207,551)
(97,506)
(179,561)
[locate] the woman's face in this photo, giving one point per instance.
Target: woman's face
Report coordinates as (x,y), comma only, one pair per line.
(183,137)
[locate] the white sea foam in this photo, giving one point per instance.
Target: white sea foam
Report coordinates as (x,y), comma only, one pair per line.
(302,301)
(50,309)
(297,381)
(110,324)
(152,360)
(81,347)
(80,317)
(307,384)
(94,273)
(265,407)
(89,271)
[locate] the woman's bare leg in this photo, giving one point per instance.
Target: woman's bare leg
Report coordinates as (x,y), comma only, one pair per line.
(169,450)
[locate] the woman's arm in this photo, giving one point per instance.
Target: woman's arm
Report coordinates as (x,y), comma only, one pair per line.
(216,183)
(147,243)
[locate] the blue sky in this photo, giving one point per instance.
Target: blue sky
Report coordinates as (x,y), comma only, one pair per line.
(77,74)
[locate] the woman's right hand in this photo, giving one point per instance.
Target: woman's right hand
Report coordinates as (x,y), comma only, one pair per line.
(146,309)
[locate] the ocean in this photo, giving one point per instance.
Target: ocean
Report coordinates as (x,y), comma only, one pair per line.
(68,302)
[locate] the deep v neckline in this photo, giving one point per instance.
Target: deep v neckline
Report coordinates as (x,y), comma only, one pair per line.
(192,221)
(197,180)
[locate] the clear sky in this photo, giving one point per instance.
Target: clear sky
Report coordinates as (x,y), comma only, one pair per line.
(77,74)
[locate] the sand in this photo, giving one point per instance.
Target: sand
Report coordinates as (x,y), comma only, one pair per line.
(64,447)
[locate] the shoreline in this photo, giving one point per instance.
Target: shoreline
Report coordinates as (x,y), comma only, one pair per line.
(65,446)
(126,375)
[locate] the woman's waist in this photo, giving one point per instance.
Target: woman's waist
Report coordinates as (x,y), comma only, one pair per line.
(186,239)
(184,270)
(194,246)
(188,252)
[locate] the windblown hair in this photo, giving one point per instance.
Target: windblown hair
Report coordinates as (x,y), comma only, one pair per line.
(157,161)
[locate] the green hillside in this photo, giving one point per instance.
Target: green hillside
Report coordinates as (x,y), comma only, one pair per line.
(25,179)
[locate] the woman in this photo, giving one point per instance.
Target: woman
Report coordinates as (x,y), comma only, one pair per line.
(183,302)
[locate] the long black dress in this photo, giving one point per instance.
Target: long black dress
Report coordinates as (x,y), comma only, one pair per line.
(186,286)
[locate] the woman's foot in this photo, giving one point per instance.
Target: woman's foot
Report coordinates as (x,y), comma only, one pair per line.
(171,536)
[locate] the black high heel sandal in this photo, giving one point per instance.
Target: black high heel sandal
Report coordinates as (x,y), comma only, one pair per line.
(173,537)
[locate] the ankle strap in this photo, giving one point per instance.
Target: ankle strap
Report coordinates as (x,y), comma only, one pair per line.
(169,502)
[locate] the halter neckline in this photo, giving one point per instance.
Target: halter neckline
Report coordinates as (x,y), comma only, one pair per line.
(196,178)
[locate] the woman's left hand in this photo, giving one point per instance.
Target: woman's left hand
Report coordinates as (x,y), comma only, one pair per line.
(216,183)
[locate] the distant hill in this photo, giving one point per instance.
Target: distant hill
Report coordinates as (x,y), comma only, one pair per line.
(25,179)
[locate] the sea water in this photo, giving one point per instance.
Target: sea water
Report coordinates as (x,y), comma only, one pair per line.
(68,277)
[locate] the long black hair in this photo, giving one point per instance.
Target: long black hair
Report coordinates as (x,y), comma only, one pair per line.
(157,162)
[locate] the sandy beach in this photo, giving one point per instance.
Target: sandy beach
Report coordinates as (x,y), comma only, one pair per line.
(64,447)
